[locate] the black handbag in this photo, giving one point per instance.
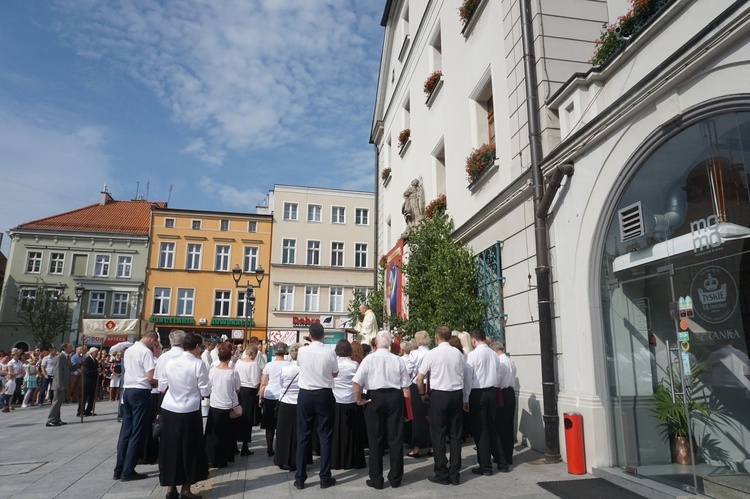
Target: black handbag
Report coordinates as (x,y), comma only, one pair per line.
(156,427)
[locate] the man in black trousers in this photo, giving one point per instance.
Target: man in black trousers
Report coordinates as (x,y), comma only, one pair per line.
(387,383)
(315,403)
(445,365)
(507,413)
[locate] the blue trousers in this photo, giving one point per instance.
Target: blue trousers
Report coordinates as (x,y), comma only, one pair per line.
(133,430)
(315,405)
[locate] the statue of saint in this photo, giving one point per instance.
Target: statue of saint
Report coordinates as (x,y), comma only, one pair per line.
(413,207)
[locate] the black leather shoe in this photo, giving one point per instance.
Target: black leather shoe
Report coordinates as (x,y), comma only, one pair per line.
(439,481)
(456,481)
(246,452)
(299,485)
(63,423)
(133,476)
(374,484)
(503,468)
(116,476)
(395,485)
(327,483)
(270,452)
(173,495)
(58,423)
(481,471)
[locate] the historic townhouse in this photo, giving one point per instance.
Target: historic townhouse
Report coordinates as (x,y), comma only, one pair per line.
(190,283)
(101,248)
(322,253)
(620,189)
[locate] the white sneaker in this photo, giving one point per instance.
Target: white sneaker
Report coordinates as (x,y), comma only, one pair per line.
(24,406)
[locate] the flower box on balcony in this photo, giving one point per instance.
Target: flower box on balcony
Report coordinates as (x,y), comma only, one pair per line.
(469,13)
(436,207)
(404,139)
(480,160)
(385,176)
(432,86)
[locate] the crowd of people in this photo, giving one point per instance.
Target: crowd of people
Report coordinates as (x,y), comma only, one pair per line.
(350,405)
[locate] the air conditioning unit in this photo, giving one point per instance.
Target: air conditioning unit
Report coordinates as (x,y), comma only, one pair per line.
(202,322)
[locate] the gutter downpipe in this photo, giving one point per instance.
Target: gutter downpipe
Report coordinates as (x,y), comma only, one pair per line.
(546,340)
(375,259)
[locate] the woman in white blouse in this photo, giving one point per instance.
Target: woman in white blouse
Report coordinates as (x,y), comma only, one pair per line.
(182,460)
(225,384)
(349,432)
(270,391)
(249,371)
(420,426)
(286,434)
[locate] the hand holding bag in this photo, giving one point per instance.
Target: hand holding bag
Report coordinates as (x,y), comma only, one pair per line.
(156,427)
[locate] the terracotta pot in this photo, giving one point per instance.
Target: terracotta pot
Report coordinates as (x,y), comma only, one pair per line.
(680,448)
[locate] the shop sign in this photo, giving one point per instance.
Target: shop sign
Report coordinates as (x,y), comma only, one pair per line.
(304,321)
(705,233)
(106,341)
(716,292)
(218,321)
(238,334)
(287,337)
(161,319)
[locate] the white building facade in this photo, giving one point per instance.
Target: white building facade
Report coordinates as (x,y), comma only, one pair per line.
(646,238)
(322,252)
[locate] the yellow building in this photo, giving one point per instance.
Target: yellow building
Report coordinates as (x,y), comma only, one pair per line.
(189,281)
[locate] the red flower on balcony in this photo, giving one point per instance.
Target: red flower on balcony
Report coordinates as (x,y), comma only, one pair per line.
(385,174)
(432,81)
(467,10)
(436,207)
(479,160)
(403,136)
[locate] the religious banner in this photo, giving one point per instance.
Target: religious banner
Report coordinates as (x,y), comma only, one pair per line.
(287,337)
(393,281)
(106,327)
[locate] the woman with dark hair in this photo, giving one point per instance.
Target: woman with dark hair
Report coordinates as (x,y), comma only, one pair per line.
(270,391)
(249,371)
(182,455)
(349,424)
(286,433)
(225,383)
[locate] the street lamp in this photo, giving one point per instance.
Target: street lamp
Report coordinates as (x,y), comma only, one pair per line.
(249,294)
(79,290)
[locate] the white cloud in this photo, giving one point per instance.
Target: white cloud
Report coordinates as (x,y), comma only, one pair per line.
(242,74)
(244,200)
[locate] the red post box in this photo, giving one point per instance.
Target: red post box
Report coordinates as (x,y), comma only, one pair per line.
(574,443)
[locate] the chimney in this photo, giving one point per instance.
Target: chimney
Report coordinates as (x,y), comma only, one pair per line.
(106,197)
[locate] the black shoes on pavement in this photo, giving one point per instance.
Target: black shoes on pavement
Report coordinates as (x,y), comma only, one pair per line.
(133,476)
(324,484)
(481,471)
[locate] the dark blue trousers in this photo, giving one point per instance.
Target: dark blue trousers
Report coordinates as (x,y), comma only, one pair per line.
(315,405)
(135,406)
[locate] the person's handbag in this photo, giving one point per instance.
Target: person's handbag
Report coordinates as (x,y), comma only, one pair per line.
(236,412)
(276,407)
(156,427)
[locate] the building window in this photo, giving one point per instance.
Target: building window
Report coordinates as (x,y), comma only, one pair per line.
(196,224)
(362,216)
(241,305)
(96,303)
(490,121)
(222,258)
(224,225)
(250,259)
(286,298)
(101,266)
(185,299)
(124,266)
(56,263)
(252,226)
(336,302)
(166,255)
(338,215)
(34,262)
(360,255)
(313,252)
(311,298)
(314,212)
(169,223)
(27,296)
(288,251)
(221,303)
(363,292)
(80,263)
(120,304)
(337,254)
(193,257)
(290,211)
(161,301)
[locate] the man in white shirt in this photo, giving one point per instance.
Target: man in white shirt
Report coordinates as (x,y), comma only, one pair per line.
(387,382)
(507,413)
(368,328)
(48,373)
(445,365)
(207,357)
(480,399)
(139,365)
(317,368)
(176,337)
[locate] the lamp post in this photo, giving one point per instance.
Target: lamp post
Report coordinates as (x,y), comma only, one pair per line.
(79,290)
(249,293)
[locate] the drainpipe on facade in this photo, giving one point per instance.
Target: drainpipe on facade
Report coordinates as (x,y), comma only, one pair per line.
(376,261)
(543,280)
(554,181)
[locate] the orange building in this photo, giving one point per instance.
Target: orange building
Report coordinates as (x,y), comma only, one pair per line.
(189,282)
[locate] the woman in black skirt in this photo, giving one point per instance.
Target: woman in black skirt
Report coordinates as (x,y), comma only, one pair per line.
(270,391)
(349,426)
(249,372)
(225,384)
(182,454)
(420,426)
(286,424)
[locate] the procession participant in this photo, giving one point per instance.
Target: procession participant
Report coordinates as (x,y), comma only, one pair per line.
(506,413)
(387,382)
(420,426)
(250,373)
(270,391)
(349,423)
(445,365)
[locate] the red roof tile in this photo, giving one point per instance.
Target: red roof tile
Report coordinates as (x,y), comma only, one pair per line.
(125,217)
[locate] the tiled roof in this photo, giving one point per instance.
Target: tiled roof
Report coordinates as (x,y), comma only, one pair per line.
(125,217)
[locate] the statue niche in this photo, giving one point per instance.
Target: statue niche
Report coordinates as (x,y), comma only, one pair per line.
(413,208)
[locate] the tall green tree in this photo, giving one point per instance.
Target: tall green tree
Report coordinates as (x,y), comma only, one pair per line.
(45,316)
(441,280)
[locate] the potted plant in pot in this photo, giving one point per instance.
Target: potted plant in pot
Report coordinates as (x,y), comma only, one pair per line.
(432,81)
(403,137)
(671,413)
(478,161)
(385,174)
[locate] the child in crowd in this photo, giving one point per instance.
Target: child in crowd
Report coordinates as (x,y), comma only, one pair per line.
(6,396)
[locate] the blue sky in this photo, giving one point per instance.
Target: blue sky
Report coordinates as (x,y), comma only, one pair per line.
(220,99)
